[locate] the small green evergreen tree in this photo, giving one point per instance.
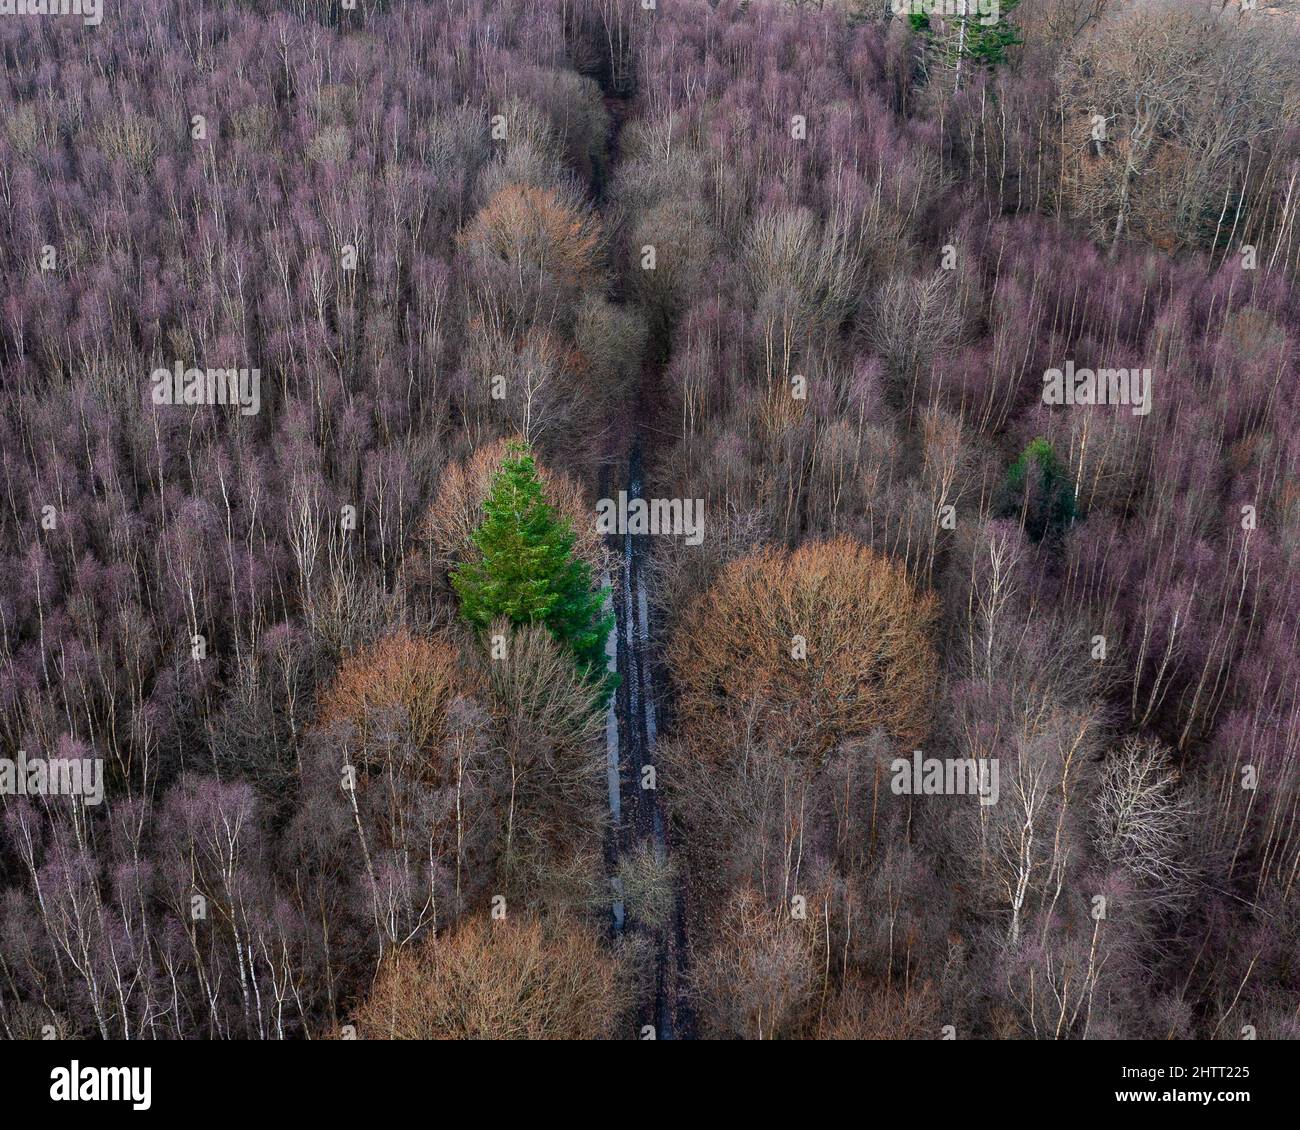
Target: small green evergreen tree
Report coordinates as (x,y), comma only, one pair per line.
(1038,487)
(526,570)
(969,37)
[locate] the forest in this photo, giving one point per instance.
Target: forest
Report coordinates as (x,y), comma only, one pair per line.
(944,684)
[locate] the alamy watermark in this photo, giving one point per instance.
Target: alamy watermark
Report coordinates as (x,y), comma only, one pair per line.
(989,11)
(179,385)
(90,11)
(666,517)
(948,776)
(53,776)
(1131,387)
(102,1084)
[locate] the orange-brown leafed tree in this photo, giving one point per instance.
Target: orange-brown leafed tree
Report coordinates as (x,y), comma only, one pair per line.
(820,645)
(411,717)
(401,680)
(514,979)
(533,229)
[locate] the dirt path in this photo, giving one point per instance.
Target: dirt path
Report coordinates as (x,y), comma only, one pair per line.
(632,732)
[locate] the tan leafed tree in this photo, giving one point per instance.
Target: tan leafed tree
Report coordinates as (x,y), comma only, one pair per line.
(514,979)
(533,229)
(826,643)
(401,679)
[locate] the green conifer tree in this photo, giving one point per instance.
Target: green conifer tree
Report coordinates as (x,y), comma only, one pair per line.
(526,570)
(1038,488)
(969,37)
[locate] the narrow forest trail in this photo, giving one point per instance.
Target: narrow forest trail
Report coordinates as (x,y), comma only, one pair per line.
(637,813)
(638,821)
(632,731)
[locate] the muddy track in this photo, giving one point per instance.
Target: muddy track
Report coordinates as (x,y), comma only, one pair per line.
(637,816)
(640,820)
